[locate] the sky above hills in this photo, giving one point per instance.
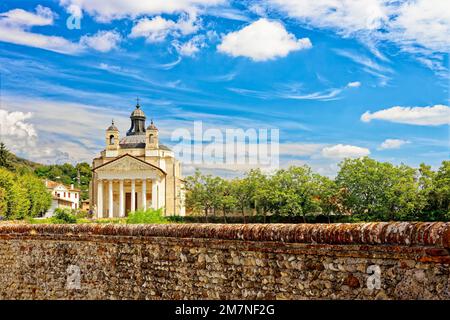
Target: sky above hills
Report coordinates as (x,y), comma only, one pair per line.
(338,78)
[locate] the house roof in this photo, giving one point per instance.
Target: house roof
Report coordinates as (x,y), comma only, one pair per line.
(53,184)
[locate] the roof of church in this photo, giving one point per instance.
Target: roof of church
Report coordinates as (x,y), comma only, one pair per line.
(137,141)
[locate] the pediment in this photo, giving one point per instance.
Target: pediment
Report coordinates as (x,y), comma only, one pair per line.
(128,163)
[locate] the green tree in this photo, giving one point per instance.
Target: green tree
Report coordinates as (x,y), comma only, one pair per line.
(5,157)
(442,182)
(261,191)
(293,192)
(379,190)
(37,194)
(203,193)
(3,202)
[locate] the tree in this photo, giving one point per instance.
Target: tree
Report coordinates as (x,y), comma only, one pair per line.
(203,193)
(36,191)
(3,202)
(293,192)
(329,196)
(442,182)
(5,157)
(243,191)
(261,191)
(378,190)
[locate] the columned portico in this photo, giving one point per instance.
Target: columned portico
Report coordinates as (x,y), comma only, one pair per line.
(131,184)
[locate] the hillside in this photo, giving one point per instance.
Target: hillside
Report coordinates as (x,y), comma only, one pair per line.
(78,175)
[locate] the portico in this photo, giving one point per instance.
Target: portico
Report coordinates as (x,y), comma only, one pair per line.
(130,184)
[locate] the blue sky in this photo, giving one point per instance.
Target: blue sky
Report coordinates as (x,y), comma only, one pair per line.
(338,78)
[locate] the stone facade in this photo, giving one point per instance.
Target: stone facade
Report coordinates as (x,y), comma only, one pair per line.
(136,172)
(196,261)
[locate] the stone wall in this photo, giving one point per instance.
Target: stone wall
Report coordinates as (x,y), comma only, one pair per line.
(199,261)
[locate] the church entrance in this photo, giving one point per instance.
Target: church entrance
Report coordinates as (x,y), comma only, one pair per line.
(128,202)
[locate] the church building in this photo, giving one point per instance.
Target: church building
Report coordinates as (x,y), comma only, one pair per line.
(136,172)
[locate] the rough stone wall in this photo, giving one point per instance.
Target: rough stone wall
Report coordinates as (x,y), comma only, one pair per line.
(196,261)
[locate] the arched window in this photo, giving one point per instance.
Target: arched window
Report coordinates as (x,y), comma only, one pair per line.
(150,138)
(111,139)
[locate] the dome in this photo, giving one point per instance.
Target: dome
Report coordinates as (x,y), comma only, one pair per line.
(138,112)
(112,127)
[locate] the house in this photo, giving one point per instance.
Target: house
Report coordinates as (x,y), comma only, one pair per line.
(62,196)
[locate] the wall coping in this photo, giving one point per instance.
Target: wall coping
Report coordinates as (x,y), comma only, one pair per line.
(434,234)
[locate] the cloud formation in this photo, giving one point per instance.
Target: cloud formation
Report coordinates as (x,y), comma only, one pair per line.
(157,28)
(105,11)
(262,40)
(13,124)
(16,24)
(103,41)
(341,151)
(392,144)
(423,116)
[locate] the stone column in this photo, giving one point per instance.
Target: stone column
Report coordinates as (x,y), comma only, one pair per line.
(133,195)
(100,199)
(154,194)
(144,194)
(111,200)
(121,199)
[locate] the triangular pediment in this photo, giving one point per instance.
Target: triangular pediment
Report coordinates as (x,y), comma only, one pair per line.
(128,163)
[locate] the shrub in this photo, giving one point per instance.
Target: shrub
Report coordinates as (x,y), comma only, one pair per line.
(63,216)
(147,216)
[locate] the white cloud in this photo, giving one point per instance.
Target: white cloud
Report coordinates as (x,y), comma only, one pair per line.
(191,47)
(354,84)
(347,16)
(13,124)
(102,41)
(105,11)
(262,40)
(19,17)
(422,22)
(392,144)
(420,27)
(158,28)
(340,151)
(15,25)
(424,116)
(15,28)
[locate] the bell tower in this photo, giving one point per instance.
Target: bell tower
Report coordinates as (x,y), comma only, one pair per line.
(151,137)
(112,137)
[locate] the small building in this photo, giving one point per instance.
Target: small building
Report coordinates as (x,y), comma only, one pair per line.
(136,172)
(62,196)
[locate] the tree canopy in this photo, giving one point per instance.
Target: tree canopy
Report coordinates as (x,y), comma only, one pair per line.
(364,190)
